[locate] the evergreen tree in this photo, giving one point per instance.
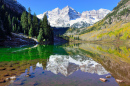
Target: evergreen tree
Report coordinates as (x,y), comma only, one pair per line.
(13,22)
(2,12)
(10,25)
(48,32)
(40,24)
(46,27)
(51,37)
(31,31)
(18,30)
(29,18)
(24,22)
(6,25)
(4,18)
(13,28)
(40,36)
(2,35)
(35,25)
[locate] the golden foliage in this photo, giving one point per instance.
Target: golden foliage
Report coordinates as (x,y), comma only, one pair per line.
(117,30)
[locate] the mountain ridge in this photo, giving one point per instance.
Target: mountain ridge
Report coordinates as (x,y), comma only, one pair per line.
(67,16)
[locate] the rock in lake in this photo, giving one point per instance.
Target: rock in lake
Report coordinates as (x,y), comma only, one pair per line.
(103,79)
(109,76)
(27,75)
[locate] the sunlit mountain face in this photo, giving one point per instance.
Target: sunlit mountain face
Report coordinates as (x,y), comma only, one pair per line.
(68,17)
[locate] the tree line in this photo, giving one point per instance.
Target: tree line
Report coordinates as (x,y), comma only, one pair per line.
(27,24)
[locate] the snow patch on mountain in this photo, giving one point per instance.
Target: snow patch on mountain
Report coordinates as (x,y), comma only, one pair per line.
(67,16)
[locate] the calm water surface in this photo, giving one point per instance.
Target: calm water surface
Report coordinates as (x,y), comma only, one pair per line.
(65,65)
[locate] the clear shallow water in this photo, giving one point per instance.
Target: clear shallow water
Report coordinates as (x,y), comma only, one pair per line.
(65,65)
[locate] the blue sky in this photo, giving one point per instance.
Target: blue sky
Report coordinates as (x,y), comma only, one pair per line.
(40,6)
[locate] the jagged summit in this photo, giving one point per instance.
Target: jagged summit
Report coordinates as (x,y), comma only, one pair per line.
(68,16)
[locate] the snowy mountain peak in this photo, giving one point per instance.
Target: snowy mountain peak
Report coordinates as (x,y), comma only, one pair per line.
(68,8)
(68,16)
(56,9)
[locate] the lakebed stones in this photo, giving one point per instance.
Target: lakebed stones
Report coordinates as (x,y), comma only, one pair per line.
(103,79)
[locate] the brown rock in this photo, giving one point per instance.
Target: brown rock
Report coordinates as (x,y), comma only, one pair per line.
(12,78)
(7,79)
(2,68)
(119,81)
(6,75)
(103,79)
(2,81)
(13,69)
(109,76)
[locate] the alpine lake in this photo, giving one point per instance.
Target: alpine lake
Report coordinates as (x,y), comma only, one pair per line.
(81,64)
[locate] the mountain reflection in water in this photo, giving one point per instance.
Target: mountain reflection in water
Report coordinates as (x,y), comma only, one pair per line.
(69,65)
(65,70)
(66,65)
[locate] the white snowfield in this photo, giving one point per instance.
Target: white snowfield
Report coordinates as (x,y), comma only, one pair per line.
(67,16)
(67,65)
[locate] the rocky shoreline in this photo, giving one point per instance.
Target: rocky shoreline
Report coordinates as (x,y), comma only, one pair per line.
(21,40)
(17,40)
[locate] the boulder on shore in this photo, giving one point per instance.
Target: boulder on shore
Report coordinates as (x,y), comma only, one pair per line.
(119,81)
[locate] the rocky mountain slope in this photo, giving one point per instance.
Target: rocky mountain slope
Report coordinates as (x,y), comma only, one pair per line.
(115,26)
(67,17)
(14,5)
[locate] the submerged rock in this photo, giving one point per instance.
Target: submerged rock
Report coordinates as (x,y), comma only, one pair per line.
(27,75)
(109,76)
(103,79)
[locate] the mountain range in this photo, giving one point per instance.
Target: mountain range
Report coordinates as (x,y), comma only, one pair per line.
(68,16)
